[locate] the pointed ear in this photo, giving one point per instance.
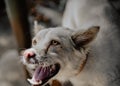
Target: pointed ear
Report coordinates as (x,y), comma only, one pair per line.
(37,27)
(84,38)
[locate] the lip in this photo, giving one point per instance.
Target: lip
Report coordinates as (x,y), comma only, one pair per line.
(43,73)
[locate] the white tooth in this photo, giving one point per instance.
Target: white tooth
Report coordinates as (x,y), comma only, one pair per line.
(44,69)
(33,82)
(44,65)
(53,67)
(50,69)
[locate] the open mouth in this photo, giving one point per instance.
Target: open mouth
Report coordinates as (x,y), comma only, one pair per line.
(43,73)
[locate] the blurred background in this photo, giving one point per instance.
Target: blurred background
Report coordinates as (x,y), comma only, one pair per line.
(16,31)
(15,36)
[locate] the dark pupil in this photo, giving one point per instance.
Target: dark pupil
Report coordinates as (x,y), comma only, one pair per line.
(54,42)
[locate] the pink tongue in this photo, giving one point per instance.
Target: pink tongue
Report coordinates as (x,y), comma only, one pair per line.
(41,73)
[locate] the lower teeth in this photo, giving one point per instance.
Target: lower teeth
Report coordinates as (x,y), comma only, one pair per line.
(32,81)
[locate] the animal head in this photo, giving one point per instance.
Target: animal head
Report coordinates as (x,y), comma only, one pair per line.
(57,53)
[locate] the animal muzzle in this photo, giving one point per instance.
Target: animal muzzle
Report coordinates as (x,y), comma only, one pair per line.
(42,72)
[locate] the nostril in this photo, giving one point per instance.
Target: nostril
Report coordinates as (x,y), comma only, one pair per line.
(29,54)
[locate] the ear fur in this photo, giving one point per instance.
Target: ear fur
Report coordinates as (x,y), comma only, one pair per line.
(37,27)
(84,38)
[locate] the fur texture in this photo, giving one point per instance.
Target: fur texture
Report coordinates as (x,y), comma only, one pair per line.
(83,61)
(103,66)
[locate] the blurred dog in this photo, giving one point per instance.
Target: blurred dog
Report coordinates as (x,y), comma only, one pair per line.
(78,53)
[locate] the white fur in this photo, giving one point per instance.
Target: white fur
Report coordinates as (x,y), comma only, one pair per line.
(101,65)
